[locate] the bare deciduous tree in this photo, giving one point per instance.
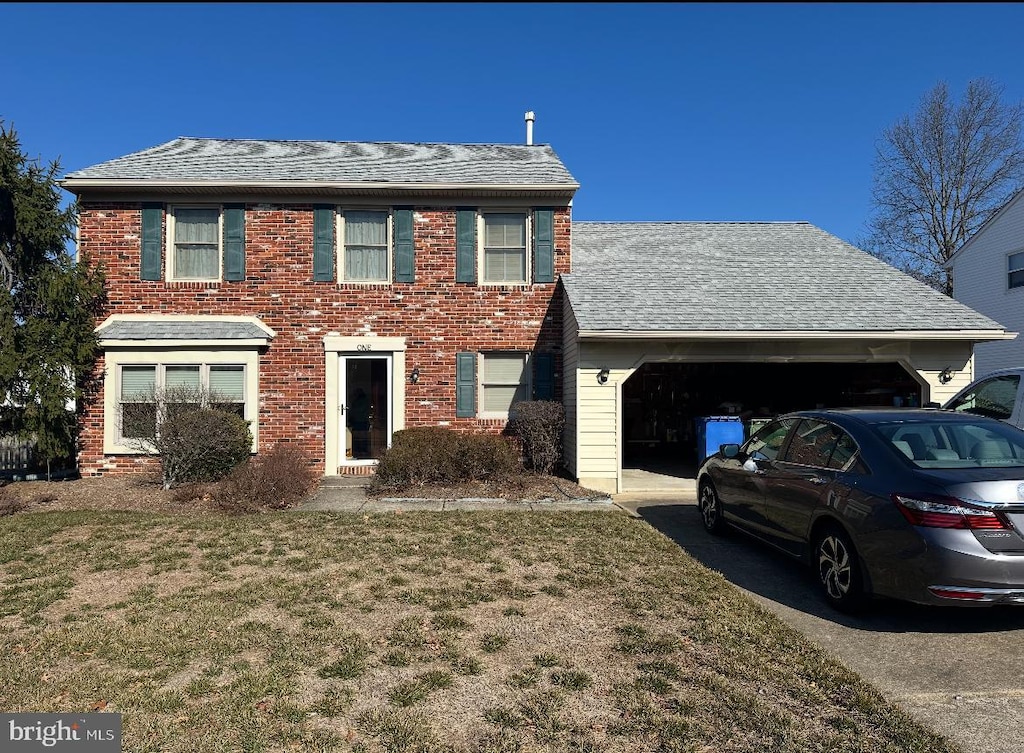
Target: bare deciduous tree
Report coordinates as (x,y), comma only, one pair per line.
(939,174)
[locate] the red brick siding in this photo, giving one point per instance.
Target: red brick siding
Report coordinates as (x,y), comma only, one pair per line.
(437,316)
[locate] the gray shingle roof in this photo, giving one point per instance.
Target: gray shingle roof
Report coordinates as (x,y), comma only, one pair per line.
(148,329)
(787,276)
(253,161)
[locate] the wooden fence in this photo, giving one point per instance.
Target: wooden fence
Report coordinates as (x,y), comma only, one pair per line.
(17,454)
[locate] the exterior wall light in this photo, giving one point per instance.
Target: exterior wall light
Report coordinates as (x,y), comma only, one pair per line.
(602,376)
(414,377)
(946,375)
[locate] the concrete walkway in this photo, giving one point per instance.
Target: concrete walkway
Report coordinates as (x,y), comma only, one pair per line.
(348,494)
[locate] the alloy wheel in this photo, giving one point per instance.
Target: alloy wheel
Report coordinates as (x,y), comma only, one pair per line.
(709,511)
(834,566)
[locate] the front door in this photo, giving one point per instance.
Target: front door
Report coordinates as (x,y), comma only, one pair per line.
(365,407)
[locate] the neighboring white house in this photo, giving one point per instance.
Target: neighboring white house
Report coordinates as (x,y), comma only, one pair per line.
(988,276)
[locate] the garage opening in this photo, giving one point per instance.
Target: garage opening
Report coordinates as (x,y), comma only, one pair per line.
(663,402)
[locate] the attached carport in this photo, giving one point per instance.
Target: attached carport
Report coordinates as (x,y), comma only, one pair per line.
(669,322)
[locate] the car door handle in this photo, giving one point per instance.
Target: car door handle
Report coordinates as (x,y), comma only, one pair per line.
(818,480)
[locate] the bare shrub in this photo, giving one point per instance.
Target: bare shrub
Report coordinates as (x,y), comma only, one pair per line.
(436,455)
(275,480)
(539,424)
(9,503)
(202,445)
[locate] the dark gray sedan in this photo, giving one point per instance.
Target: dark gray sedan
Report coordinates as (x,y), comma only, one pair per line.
(921,505)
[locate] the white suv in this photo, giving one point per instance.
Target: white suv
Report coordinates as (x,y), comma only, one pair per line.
(996,395)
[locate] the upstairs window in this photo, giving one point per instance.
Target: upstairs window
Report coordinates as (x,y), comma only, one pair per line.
(365,251)
(195,243)
(505,247)
(1015,270)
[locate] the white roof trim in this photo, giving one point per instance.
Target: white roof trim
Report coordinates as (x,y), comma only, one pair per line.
(949,334)
(73,183)
(170,343)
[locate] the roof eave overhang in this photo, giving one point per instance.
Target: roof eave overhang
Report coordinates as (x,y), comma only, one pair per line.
(974,335)
(168,342)
(106,188)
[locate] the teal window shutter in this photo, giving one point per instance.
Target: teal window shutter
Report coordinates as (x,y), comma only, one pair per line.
(543,376)
(543,245)
(152,241)
(323,243)
(405,262)
(465,245)
(465,385)
(234,242)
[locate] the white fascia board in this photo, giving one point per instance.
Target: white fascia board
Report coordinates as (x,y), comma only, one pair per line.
(72,184)
(954,334)
(172,343)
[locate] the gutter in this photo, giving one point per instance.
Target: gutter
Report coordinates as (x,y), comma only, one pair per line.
(82,183)
(954,334)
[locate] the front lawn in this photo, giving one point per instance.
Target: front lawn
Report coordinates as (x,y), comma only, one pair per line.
(412,632)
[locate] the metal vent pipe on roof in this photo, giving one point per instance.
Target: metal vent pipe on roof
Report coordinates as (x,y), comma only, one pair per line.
(530,117)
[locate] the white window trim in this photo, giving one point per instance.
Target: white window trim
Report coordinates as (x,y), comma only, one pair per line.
(169,256)
(480,382)
(339,243)
(481,240)
(114,444)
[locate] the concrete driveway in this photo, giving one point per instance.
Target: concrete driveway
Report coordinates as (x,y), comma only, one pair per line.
(960,671)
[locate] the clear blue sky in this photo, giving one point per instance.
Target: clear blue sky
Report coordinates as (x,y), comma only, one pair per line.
(660,111)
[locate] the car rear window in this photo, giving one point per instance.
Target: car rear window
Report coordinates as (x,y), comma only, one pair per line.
(955,444)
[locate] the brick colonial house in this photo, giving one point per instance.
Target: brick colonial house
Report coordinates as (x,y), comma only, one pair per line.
(336,292)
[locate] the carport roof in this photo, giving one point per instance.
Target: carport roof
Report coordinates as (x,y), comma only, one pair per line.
(792,277)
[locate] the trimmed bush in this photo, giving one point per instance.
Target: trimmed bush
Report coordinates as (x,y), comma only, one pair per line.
(539,424)
(201,444)
(275,480)
(436,455)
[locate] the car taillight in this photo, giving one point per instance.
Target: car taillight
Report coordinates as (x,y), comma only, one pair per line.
(933,511)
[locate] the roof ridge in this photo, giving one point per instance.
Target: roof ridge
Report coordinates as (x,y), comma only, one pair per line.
(346,141)
(693,222)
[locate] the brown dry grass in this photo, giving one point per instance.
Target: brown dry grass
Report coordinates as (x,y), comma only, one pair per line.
(456,633)
(143,493)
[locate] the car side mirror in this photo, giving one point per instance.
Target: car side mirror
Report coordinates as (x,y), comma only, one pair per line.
(730,450)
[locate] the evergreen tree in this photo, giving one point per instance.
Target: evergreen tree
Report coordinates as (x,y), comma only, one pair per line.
(48,305)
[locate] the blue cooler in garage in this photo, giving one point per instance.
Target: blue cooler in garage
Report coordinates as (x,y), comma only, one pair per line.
(714,431)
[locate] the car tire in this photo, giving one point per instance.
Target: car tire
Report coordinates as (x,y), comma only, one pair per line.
(710,506)
(837,568)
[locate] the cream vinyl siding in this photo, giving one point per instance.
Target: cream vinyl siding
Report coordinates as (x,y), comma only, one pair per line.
(570,365)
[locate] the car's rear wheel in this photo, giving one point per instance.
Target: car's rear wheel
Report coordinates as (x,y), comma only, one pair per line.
(838,570)
(710,507)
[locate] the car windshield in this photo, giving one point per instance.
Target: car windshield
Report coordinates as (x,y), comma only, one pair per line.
(955,444)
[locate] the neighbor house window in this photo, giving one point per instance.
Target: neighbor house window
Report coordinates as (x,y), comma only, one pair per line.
(365,250)
(504,382)
(1015,273)
(195,243)
(143,387)
(505,250)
